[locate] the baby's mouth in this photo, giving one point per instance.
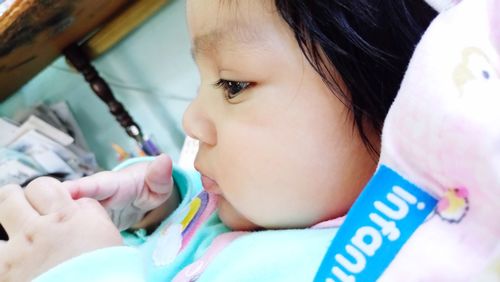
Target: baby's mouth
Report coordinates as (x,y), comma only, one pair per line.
(209,184)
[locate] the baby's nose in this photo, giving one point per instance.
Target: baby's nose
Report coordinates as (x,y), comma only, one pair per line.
(198,124)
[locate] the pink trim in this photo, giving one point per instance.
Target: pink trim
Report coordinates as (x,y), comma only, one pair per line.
(336,222)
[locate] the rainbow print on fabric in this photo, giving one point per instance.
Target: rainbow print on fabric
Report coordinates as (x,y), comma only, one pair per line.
(175,236)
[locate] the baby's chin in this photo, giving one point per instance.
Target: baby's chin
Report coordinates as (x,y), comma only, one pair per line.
(233,219)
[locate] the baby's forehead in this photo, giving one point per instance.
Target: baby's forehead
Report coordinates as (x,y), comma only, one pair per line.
(233,26)
(228,33)
(205,14)
(235,33)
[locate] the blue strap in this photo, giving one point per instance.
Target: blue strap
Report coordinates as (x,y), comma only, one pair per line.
(379,223)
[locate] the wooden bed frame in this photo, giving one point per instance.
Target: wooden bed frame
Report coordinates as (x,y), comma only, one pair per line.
(33,33)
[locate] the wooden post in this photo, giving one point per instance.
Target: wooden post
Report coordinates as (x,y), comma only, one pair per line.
(81,62)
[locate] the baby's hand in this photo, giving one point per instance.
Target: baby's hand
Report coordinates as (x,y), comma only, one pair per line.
(46,227)
(128,194)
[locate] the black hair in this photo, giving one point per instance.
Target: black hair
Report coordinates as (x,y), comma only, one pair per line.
(368,42)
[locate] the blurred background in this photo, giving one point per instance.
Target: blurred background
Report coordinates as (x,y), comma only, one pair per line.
(150,71)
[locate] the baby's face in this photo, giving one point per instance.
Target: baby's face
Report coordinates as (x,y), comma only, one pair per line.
(276,145)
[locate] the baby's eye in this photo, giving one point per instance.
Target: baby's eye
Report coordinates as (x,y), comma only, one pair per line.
(232,88)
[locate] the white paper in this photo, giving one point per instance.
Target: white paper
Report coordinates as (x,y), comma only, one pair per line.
(66,117)
(33,143)
(15,172)
(51,162)
(7,132)
(46,129)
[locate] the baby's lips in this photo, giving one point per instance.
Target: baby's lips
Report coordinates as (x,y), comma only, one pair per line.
(209,184)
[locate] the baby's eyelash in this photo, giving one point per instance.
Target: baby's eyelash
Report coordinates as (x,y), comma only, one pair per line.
(232,88)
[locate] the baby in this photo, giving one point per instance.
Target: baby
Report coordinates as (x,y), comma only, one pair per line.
(288,117)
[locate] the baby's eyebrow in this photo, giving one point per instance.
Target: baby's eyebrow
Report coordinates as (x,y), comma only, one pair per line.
(230,34)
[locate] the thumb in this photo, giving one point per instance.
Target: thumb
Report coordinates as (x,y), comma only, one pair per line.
(158,178)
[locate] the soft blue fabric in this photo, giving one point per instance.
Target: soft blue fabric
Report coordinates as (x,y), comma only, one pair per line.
(111,264)
(277,255)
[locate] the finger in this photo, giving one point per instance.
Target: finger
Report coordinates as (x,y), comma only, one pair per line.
(113,189)
(47,195)
(88,203)
(158,184)
(15,209)
(158,177)
(97,208)
(99,186)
